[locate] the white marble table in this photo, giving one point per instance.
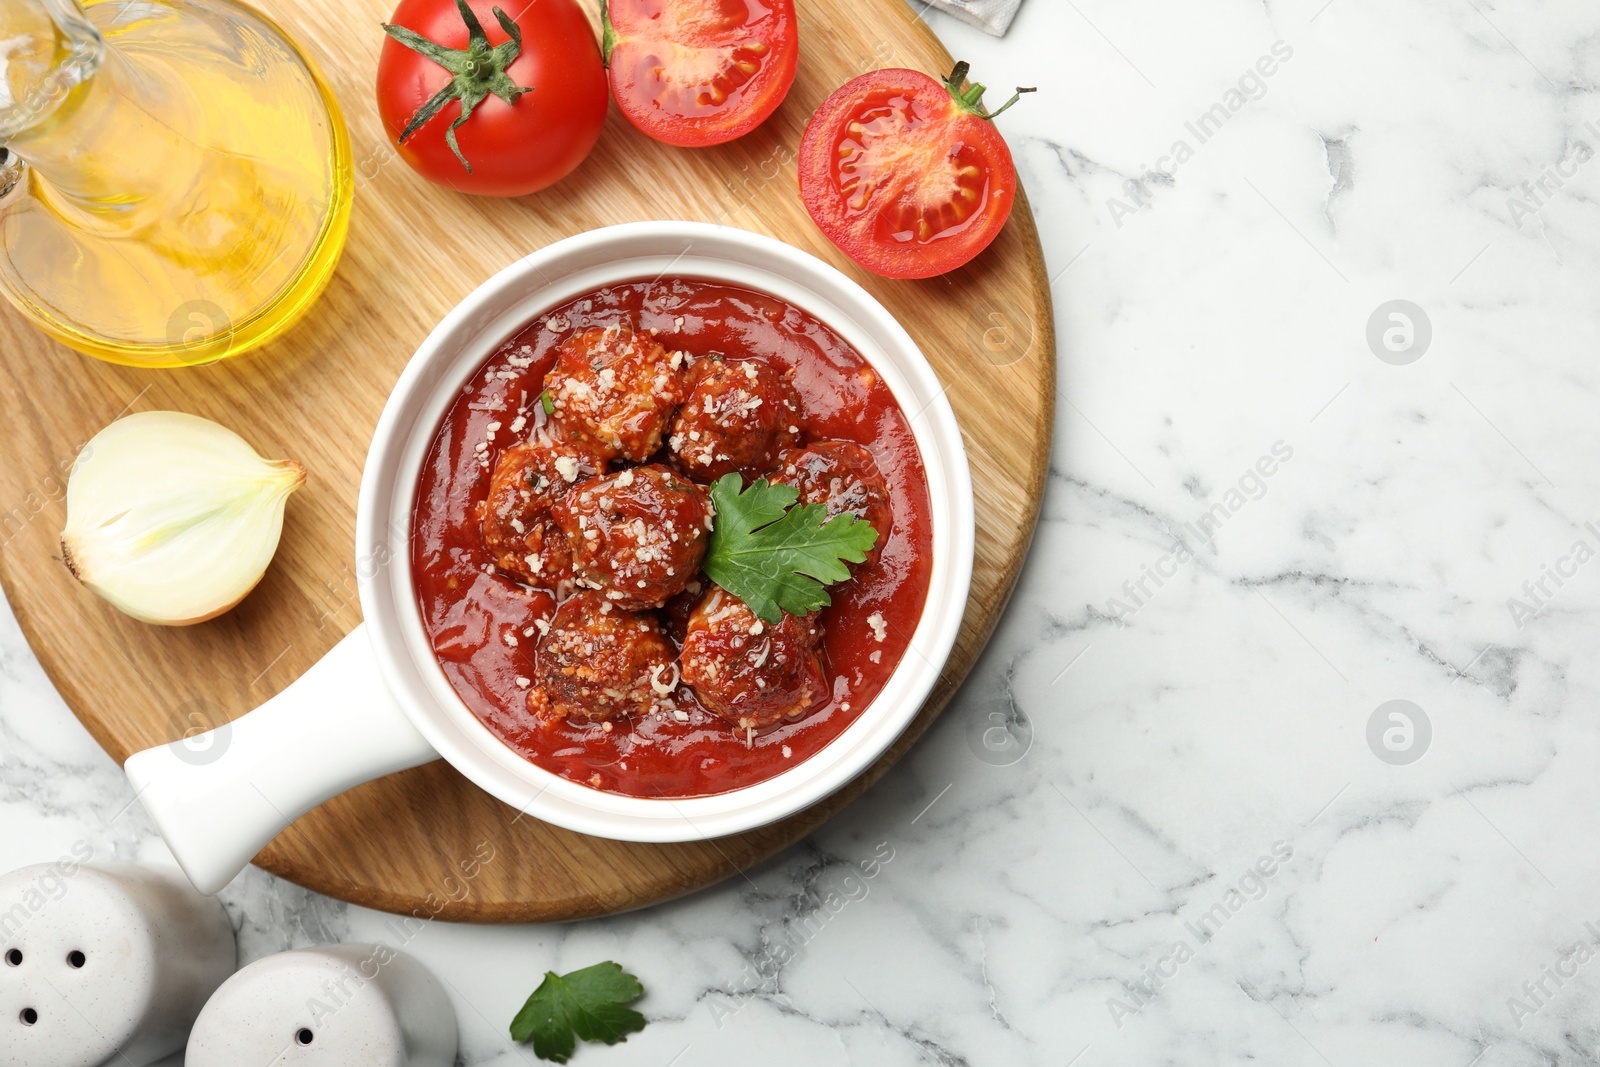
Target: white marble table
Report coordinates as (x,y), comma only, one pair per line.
(1101,900)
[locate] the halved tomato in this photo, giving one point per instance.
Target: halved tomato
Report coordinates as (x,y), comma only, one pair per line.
(909,177)
(700,72)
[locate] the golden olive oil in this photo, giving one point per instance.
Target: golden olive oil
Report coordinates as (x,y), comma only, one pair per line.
(188,199)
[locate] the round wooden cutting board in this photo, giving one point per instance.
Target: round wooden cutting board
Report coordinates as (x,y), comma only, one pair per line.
(415,250)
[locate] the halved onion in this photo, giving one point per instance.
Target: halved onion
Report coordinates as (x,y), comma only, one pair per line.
(173,518)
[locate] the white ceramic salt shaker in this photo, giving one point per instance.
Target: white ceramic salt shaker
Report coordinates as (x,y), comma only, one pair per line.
(336,1006)
(103,963)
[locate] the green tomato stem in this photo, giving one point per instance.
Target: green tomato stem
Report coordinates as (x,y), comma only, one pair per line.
(476,72)
(969,98)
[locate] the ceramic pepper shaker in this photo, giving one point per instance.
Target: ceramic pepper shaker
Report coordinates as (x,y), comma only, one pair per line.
(339,1005)
(104,963)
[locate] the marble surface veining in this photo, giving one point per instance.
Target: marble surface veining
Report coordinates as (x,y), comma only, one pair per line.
(1176,817)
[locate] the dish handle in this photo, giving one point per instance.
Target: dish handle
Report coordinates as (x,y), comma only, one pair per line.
(219,797)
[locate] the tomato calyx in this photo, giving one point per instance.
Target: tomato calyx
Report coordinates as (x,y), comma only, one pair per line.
(608,34)
(476,72)
(969,98)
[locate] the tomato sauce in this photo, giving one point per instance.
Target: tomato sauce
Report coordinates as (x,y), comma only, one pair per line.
(485,627)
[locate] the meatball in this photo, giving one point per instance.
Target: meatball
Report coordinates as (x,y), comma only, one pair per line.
(746,671)
(616,389)
(638,535)
(843,477)
(601,663)
(518,531)
(739,414)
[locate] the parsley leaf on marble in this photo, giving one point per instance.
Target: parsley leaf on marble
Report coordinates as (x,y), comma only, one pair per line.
(591,1004)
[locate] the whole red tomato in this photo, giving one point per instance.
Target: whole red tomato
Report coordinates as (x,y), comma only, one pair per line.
(501,112)
(700,72)
(908,176)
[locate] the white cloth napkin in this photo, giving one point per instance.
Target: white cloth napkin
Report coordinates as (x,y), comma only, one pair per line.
(990,16)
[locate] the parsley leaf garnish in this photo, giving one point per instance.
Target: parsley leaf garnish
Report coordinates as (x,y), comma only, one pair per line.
(591,1004)
(777,555)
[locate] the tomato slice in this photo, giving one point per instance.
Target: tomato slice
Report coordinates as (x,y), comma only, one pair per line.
(907,176)
(700,72)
